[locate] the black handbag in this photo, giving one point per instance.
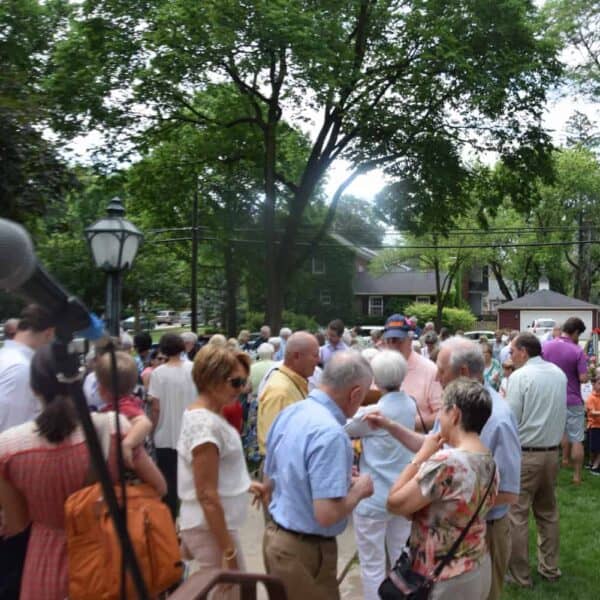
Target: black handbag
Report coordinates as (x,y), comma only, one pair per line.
(403,582)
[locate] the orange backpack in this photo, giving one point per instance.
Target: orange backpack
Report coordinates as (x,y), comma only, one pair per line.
(93,548)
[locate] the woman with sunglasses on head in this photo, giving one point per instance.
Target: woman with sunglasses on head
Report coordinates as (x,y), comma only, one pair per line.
(170,391)
(213,481)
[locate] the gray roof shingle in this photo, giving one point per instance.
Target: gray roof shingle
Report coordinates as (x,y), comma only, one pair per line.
(409,283)
(544,299)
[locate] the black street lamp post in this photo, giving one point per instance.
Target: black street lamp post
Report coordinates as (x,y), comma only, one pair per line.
(114,242)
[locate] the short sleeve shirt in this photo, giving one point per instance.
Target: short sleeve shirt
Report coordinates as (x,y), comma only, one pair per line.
(570,358)
(175,390)
(129,406)
(309,457)
(454,481)
(202,426)
(421,383)
(17,402)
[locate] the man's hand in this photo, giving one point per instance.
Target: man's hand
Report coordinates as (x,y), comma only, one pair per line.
(363,484)
(376,420)
(261,494)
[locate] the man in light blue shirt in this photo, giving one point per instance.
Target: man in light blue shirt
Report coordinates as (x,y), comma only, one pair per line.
(308,467)
(460,357)
(334,343)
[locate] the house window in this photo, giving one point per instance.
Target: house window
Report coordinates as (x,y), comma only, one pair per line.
(325,298)
(318,266)
(376,306)
(423,300)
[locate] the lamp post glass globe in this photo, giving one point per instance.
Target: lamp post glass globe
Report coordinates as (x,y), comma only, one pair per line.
(114,243)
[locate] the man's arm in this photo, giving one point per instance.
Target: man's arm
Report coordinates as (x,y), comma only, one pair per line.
(514,397)
(328,466)
(412,440)
(328,511)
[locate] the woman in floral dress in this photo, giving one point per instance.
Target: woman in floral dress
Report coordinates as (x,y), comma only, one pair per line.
(440,490)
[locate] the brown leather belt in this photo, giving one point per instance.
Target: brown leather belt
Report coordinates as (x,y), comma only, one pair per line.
(539,449)
(314,537)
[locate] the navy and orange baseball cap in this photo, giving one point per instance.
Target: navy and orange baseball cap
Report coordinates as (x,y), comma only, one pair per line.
(397,326)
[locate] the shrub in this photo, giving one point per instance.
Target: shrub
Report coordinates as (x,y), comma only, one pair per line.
(255,320)
(298,322)
(453,318)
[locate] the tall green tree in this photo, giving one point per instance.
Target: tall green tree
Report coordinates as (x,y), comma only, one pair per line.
(32,175)
(577,24)
(395,84)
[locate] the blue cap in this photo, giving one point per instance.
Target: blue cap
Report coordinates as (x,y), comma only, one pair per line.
(397,326)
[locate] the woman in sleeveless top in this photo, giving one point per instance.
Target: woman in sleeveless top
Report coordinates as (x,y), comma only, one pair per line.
(42,463)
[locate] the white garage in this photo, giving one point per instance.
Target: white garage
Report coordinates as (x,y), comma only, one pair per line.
(546,304)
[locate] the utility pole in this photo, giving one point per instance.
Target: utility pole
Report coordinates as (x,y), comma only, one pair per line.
(194,287)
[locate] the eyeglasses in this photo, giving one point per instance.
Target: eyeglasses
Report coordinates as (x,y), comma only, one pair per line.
(237,382)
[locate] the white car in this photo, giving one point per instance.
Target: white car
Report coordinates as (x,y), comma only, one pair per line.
(541,327)
(475,335)
(167,317)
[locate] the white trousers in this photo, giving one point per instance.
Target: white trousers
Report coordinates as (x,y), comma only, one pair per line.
(373,537)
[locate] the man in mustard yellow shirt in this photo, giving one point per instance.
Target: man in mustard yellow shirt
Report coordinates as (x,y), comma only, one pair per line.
(287,383)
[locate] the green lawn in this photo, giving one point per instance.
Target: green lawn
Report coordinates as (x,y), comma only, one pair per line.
(579,545)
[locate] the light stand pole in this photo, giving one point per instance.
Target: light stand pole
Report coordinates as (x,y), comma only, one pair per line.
(114,242)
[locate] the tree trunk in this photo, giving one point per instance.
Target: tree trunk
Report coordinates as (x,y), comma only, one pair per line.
(231,287)
(583,283)
(497,270)
(438,297)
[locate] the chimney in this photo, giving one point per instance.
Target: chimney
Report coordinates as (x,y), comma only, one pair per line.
(543,283)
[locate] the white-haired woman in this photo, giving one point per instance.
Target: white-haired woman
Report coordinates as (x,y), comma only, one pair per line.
(383,458)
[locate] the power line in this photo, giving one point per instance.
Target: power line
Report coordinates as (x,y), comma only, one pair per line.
(394,247)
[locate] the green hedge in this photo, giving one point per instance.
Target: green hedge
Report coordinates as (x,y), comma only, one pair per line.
(255,320)
(453,318)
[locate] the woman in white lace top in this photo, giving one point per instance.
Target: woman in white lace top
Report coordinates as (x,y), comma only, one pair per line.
(213,480)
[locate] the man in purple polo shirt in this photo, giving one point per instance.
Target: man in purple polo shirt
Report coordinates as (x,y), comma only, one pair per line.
(565,352)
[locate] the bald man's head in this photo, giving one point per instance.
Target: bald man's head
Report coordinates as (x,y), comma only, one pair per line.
(302,353)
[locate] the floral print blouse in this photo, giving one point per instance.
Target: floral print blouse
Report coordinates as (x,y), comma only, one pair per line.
(455,481)
(493,374)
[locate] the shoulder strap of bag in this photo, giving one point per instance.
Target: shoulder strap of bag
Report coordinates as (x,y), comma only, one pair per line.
(102,424)
(450,554)
(293,382)
(425,430)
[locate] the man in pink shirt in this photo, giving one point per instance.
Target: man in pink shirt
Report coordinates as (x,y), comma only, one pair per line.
(421,379)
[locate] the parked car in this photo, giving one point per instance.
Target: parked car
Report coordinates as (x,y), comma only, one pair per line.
(144,322)
(167,317)
(475,335)
(540,327)
(185,318)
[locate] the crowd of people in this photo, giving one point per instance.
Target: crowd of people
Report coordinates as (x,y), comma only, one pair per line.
(416,438)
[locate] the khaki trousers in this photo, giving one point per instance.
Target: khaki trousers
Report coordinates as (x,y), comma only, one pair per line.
(497,536)
(539,471)
(306,565)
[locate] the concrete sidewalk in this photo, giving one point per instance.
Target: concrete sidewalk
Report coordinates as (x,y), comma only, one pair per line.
(252,534)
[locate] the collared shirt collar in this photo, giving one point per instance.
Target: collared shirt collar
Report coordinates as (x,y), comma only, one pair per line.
(341,345)
(566,338)
(300,381)
(322,398)
(535,360)
(20,347)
